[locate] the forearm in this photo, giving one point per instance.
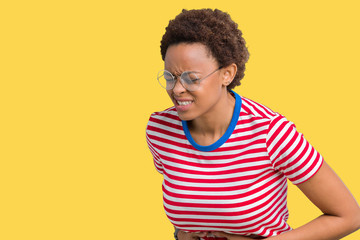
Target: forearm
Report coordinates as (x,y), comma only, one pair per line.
(325,227)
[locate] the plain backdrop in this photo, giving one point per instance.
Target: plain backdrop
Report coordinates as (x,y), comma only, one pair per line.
(78,84)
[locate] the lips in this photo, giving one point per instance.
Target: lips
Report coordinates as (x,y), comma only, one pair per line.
(183,104)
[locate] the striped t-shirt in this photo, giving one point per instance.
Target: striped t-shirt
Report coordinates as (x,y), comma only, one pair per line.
(238,184)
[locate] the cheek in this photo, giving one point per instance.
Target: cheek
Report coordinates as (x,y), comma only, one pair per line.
(211,88)
(169,93)
(209,95)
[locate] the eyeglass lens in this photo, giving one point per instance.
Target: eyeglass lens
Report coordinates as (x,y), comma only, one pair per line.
(188,80)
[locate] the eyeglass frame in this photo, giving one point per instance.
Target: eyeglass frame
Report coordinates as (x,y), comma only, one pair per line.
(182,80)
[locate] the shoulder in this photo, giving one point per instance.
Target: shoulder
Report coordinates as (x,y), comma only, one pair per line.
(167,115)
(256,110)
(259,113)
(164,120)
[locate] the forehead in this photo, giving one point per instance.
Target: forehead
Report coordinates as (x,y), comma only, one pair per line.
(188,56)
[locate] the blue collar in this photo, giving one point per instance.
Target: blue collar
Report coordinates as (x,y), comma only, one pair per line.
(226,135)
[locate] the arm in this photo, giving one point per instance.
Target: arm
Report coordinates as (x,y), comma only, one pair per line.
(341,212)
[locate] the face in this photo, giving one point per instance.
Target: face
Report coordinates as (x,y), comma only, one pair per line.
(205,99)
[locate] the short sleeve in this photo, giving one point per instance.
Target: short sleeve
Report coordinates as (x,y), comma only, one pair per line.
(155,154)
(290,152)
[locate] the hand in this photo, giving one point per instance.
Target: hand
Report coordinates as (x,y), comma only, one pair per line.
(229,236)
(190,235)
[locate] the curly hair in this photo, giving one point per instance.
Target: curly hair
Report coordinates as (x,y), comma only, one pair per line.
(216,30)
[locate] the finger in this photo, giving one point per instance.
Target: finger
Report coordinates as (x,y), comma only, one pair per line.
(220,234)
(230,236)
(199,234)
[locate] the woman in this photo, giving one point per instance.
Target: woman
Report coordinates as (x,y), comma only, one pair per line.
(226,159)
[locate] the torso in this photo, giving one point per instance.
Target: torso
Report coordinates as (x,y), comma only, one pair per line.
(230,184)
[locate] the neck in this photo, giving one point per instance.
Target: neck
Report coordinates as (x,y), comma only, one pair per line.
(212,125)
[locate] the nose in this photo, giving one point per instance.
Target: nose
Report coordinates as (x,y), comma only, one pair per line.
(178,88)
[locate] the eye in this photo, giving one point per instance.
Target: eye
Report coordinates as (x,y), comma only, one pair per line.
(168,76)
(190,77)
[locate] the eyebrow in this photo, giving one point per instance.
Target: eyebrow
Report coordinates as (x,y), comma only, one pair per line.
(182,72)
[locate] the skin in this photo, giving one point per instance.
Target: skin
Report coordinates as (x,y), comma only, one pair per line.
(209,115)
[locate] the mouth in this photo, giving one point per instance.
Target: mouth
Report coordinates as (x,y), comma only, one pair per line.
(183,106)
(183,103)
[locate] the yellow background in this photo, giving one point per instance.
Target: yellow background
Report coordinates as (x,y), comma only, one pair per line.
(78,83)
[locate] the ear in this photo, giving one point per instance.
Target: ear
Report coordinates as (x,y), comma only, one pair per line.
(229,73)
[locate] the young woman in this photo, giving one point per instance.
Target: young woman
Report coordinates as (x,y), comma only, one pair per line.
(225,158)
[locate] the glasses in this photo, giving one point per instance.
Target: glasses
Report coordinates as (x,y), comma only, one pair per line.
(188,79)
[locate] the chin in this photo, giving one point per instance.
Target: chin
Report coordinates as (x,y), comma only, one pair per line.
(185,117)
